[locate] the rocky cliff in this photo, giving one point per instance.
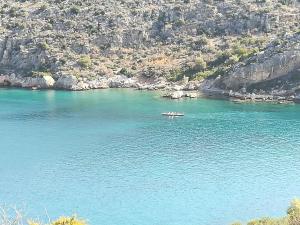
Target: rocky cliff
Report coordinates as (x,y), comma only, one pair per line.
(275,69)
(150,44)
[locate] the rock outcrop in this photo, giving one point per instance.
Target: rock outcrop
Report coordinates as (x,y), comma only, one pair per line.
(276,62)
(275,72)
(187,45)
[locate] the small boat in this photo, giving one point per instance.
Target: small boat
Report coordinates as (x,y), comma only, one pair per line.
(172,114)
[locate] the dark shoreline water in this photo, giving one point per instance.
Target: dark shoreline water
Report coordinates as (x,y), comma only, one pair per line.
(235,97)
(110,157)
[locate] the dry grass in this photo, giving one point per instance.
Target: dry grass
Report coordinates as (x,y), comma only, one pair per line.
(10,217)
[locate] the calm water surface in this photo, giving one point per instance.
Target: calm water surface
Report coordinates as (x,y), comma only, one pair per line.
(109,156)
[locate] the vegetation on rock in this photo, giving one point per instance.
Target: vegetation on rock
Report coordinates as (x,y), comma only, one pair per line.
(15,217)
(292,217)
(141,39)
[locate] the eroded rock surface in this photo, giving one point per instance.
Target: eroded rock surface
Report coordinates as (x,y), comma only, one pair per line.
(188,45)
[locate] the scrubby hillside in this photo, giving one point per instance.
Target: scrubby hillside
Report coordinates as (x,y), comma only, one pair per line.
(85,44)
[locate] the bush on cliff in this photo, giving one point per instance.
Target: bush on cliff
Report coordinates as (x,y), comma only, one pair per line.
(294,212)
(175,75)
(85,61)
(200,64)
(292,217)
(74,10)
(62,221)
(11,216)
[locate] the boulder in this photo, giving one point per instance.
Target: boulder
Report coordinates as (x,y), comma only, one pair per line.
(192,95)
(117,81)
(192,85)
(101,84)
(121,81)
(4,80)
(81,85)
(48,81)
(177,94)
(177,87)
(68,82)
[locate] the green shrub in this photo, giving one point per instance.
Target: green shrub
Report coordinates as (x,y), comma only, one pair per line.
(179,23)
(68,221)
(43,46)
(240,51)
(74,10)
(43,7)
(204,74)
(268,221)
(287,2)
(200,63)
(62,221)
(85,61)
(221,58)
(175,75)
(292,218)
(13,12)
(40,74)
(126,72)
(232,60)
(200,42)
(294,212)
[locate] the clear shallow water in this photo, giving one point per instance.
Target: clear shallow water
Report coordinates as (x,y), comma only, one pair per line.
(109,156)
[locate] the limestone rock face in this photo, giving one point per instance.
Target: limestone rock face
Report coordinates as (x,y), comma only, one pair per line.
(122,82)
(67,82)
(38,82)
(99,84)
(177,94)
(131,43)
(267,69)
(27,82)
(4,80)
(193,85)
(273,67)
(48,81)
(14,53)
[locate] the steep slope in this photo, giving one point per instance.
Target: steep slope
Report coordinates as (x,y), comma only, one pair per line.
(86,44)
(277,68)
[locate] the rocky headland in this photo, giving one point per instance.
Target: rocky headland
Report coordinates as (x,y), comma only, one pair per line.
(241,50)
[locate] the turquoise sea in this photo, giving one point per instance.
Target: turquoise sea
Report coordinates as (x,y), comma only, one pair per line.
(110,157)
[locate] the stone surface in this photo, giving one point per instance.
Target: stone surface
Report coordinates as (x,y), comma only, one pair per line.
(67,82)
(151,45)
(177,94)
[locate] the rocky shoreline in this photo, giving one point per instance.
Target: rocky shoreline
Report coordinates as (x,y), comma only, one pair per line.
(242,51)
(246,97)
(171,90)
(72,83)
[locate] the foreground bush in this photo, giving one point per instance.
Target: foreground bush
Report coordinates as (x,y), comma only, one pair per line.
(14,217)
(63,221)
(292,217)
